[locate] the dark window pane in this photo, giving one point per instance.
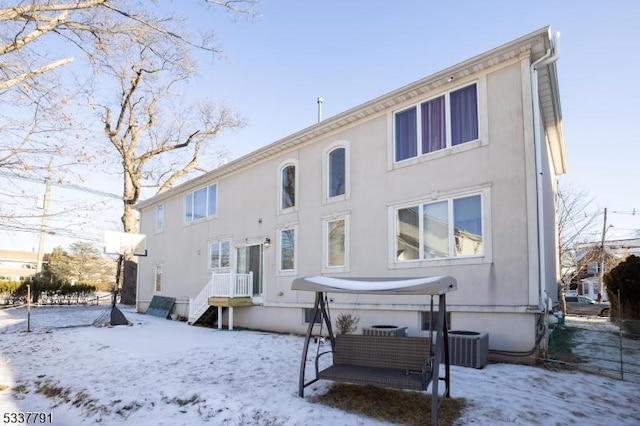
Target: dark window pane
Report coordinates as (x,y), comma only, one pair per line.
(287,249)
(408,234)
(308,316)
(433,125)
(464,115)
(288,187)
(406,134)
(336,172)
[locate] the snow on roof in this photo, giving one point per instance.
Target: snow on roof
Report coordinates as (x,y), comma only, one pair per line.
(417,285)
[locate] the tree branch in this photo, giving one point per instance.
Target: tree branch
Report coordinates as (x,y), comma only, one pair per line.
(25,76)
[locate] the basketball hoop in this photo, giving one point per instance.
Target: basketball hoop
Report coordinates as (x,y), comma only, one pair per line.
(125,245)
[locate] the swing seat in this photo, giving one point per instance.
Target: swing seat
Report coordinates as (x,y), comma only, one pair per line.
(394,362)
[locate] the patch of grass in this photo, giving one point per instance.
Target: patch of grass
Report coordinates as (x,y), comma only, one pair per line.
(126,410)
(406,408)
(194,399)
(52,391)
(20,389)
(3,387)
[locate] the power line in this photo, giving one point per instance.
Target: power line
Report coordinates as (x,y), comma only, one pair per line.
(64,185)
(59,232)
(633,212)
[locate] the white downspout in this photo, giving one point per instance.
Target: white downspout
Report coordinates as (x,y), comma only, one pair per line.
(550,56)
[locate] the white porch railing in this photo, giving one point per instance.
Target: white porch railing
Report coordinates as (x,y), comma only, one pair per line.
(221,285)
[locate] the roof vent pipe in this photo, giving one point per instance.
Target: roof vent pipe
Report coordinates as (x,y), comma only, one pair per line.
(320,100)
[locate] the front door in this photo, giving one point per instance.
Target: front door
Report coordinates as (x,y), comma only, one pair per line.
(250,260)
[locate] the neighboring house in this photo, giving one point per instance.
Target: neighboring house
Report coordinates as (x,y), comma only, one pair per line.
(454,174)
(17,265)
(589,260)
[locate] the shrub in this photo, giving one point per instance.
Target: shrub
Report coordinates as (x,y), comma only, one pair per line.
(625,278)
(58,290)
(8,287)
(346,323)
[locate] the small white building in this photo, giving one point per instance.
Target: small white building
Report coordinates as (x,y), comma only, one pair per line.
(616,251)
(453,175)
(16,265)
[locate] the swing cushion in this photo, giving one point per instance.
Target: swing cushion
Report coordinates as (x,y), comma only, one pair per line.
(396,362)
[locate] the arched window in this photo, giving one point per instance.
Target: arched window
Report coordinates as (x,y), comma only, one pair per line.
(337,172)
(288,187)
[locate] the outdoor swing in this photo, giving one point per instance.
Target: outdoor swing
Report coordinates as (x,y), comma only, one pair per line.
(396,362)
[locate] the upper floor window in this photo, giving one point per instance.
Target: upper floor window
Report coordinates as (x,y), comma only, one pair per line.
(201,203)
(288,178)
(219,254)
(439,230)
(337,172)
(593,268)
(159,217)
(445,121)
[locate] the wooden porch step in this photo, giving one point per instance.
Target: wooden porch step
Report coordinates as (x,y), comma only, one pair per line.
(208,318)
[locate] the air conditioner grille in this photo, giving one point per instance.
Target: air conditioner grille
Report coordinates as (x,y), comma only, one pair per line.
(468,348)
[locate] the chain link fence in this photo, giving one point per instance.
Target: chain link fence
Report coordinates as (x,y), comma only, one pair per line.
(604,346)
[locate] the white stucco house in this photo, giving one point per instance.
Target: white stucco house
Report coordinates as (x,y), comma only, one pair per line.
(452,175)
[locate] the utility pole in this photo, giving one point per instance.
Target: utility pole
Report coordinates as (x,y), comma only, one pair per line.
(602,256)
(43,224)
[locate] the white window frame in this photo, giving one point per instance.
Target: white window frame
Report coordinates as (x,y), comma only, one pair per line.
(447,115)
(283,165)
(159,218)
(220,243)
(326,173)
(486,257)
(294,271)
(483,124)
(325,243)
(208,214)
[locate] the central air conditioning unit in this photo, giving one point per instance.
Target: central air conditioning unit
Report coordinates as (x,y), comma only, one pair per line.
(468,348)
(385,330)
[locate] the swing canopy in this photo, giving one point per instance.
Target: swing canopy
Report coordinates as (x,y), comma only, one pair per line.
(399,286)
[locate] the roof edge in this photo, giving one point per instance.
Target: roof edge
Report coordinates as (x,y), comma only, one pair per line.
(476,63)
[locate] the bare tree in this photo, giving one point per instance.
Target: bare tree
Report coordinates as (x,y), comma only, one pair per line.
(39,37)
(80,23)
(157,140)
(100,30)
(576,224)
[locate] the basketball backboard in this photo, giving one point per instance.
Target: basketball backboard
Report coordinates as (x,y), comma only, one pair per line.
(122,243)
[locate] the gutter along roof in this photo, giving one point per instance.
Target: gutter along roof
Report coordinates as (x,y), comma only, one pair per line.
(535,44)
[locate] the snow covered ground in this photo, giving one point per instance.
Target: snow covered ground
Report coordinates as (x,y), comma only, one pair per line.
(161,372)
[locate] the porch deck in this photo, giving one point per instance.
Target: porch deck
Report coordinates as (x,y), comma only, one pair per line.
(223,291)
(226,302)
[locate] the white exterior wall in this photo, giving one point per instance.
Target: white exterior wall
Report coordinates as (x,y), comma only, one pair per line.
(497,292)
